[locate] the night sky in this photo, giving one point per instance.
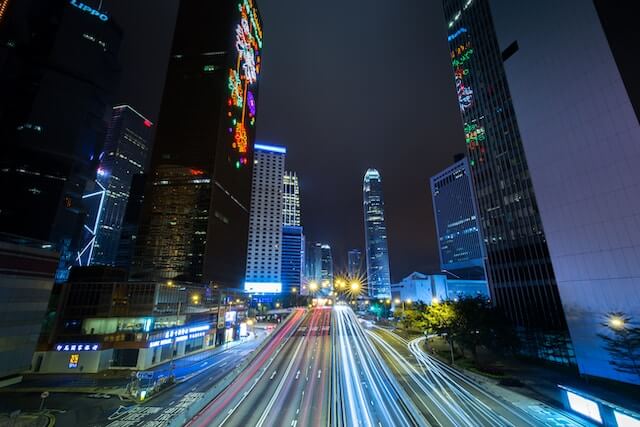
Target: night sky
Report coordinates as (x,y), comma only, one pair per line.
(345,85)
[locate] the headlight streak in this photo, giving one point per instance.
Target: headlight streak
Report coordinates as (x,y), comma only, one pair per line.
(359,357)
(438,376)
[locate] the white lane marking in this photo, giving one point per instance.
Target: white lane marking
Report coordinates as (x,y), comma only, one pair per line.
(298,374)
(273,375)
(319,372)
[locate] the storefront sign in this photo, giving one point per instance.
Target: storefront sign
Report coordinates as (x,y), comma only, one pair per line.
(77,347)
(83,7)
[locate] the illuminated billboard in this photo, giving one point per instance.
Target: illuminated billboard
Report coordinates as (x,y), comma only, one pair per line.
(584,406)
(263,287)
(243,79)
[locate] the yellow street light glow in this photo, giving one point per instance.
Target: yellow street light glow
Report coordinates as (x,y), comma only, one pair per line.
(294,290)
(355,286)
(408,300)
(397,301)
(277,305)
(435,300)
(616,322)
(388,301)
(313,286)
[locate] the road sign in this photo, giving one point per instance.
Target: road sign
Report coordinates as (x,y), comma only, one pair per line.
(44,394)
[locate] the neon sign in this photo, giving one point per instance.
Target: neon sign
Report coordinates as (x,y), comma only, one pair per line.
(74,359)
(83,7)
(77,347)
(460,56)
(243,77)
(475,136)
(461,30)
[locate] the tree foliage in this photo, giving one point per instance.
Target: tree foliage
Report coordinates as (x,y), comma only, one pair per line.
(622,342)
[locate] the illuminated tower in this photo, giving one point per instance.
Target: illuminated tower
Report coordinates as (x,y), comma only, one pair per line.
(207,124)
(264,253)
(521,278)
(354,263)
(291,199)
(125,155)
(375,231)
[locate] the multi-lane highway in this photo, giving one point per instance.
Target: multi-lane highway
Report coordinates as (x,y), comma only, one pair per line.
(365,392)
(287,384)
(447,397)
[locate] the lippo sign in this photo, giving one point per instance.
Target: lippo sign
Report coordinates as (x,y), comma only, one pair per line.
(83,7)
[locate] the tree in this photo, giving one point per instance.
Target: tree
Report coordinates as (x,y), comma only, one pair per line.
(440,319)
(622,342)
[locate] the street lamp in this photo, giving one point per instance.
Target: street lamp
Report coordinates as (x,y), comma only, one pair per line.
(435,300)
(616,322)
(313,286)
(355,286)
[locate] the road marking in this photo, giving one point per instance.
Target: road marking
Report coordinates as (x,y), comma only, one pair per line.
(273,375)
(319,372)
(298,374)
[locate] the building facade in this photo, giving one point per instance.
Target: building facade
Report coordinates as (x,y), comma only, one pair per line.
(375,231)
(207,123)
(433,288)
(520,273)
(454,208)
(53,51)
(326,269)
(354,263)
(27,270)
(293,257)
(291,200)
(578,112)
(125,155)
(135,325)
(172,239)
(264,253)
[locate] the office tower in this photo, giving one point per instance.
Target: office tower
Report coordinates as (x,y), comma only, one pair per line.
(131,223)
(171,244)
(375,231)
(454,208)
(292,258)
(326,269)
(59,70)
(578,115)
(27,270)
(313,262)
(125,154)
(264,253)
(354,263)
(521,277)
(207,123)
(291,199)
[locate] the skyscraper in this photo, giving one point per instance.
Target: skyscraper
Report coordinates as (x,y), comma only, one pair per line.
(454,208)
(173,238)
(326,269)
(291,199)
(375,231)
(264,253)
(521,277)
(52,51)
(354,263)
(207,124)
(578,113)
(125,155)
(292,258)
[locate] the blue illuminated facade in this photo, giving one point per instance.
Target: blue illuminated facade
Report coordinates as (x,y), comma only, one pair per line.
(375,230)
(292,258)
(459,239)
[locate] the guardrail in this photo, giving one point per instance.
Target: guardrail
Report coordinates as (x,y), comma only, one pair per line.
(185,416)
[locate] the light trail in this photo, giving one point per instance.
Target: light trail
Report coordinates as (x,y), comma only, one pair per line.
(370,393)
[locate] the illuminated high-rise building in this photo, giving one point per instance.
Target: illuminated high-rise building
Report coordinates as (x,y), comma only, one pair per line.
(354,263)
(125,154)
(520,274)
(58,72)
(326,269)
(375,231)
(172,239)
(264,253)
(207,124)
(578,111)
(291,199)
(458,231)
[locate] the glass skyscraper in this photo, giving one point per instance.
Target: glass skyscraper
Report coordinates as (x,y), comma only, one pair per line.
(354,263)
(290,199)
(207,123)
(461,246)
(521,277)
(125,154)
(375,231)
(292,258)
